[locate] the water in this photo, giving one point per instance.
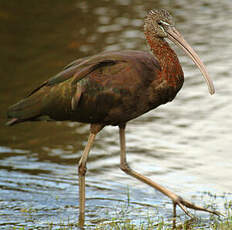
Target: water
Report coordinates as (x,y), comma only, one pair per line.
(184,145)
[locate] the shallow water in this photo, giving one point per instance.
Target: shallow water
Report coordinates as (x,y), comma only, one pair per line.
(184,145)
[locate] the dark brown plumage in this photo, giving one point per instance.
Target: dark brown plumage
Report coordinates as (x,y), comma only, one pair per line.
(112,88)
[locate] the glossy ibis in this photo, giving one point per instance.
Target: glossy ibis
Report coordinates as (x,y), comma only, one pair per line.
(111,88)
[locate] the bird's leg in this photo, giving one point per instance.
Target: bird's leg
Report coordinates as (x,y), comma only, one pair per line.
(81,172)
(177,200)
(95,128)
(174,216)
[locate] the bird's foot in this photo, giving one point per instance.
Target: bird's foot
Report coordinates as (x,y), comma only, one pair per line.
(183,204)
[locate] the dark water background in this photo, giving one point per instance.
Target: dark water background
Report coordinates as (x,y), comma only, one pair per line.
(185,145)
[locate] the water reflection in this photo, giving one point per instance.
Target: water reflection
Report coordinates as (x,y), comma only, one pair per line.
(185,144)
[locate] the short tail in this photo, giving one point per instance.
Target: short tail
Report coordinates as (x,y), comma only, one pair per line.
(28,109)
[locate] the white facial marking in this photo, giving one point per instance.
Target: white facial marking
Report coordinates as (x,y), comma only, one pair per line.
(165,23)
(161,27)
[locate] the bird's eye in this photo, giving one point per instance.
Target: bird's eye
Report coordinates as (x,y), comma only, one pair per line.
(159,23)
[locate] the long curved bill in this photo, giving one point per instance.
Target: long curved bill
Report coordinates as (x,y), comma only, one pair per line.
(178,39)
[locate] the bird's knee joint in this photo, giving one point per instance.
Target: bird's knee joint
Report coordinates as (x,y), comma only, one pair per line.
(125,167)
(82,169)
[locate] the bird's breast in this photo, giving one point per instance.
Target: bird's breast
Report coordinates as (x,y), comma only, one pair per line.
(115,94)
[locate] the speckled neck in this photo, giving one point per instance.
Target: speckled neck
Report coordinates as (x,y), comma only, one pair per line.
(162,51)
(170,66)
